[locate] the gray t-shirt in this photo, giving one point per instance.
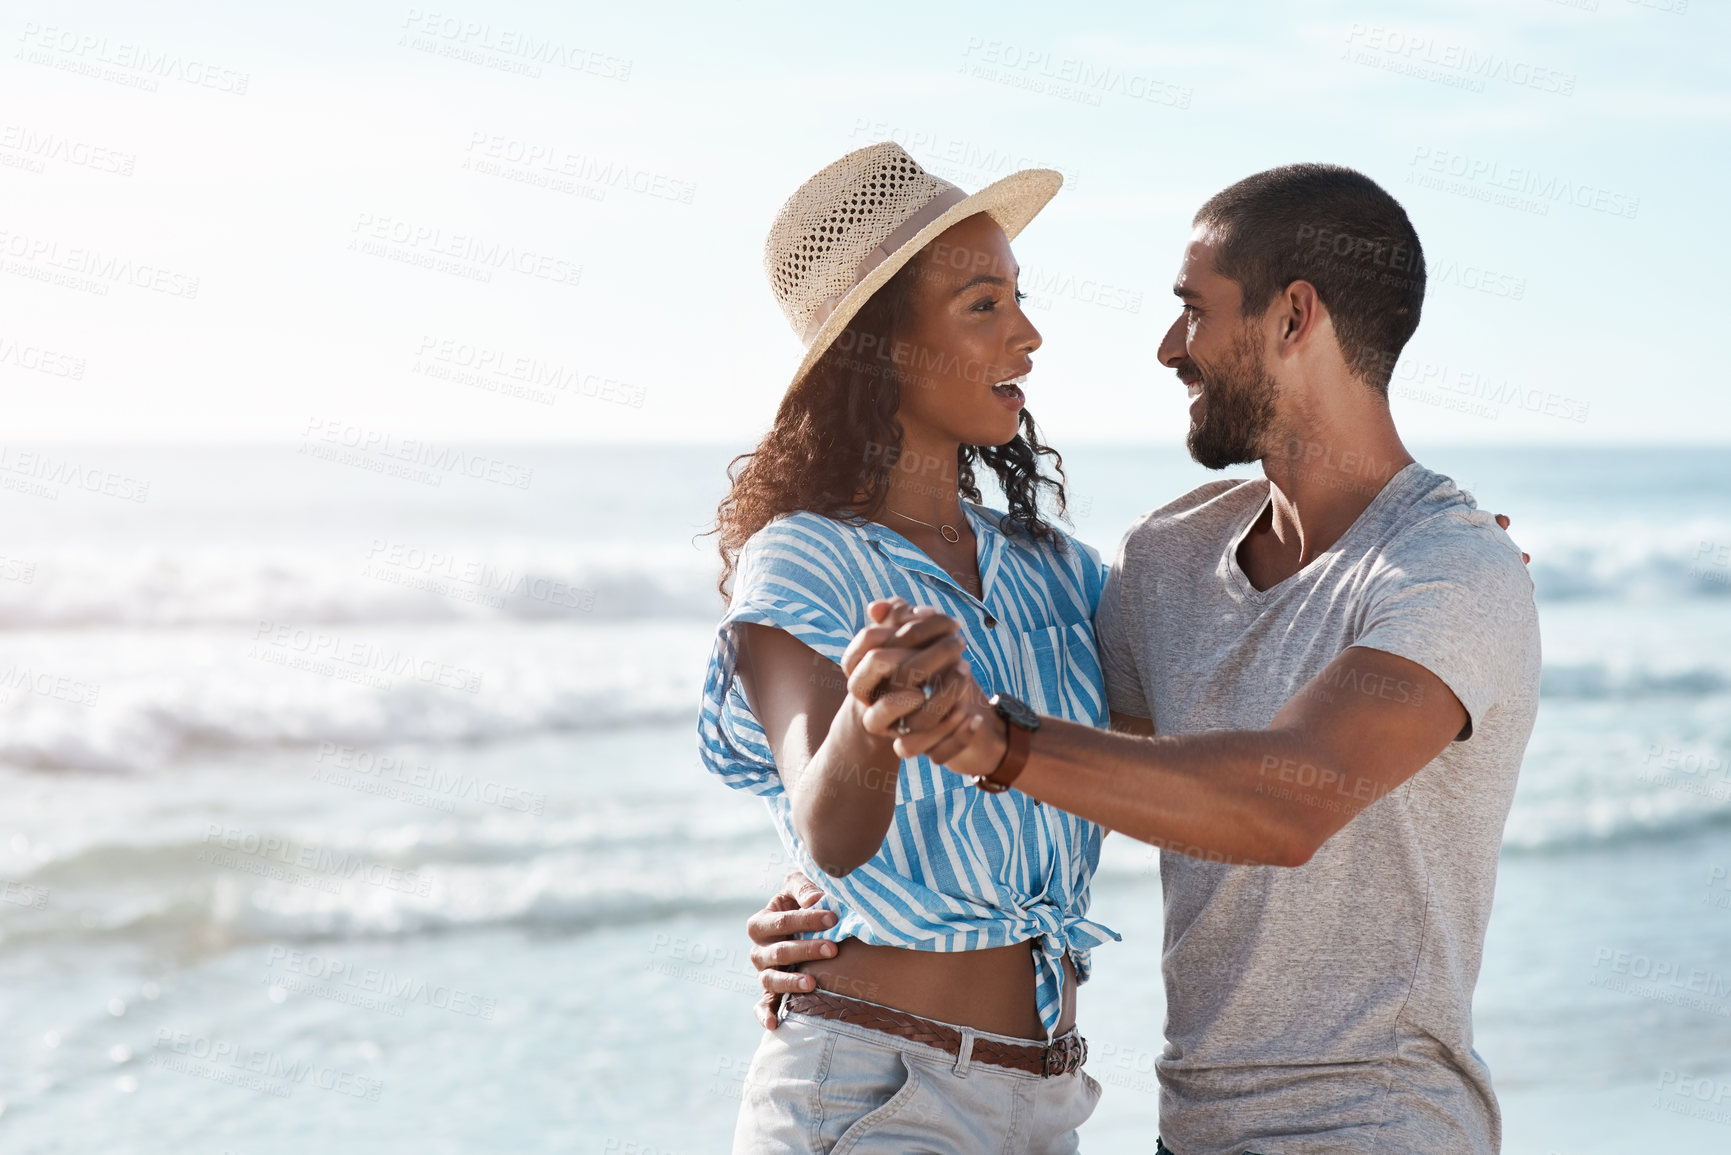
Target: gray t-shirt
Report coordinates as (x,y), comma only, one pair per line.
(1328,1007)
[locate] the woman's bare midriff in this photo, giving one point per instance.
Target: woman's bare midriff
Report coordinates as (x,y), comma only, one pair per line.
(988,990)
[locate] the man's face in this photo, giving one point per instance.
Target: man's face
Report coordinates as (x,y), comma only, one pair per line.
(1219,356)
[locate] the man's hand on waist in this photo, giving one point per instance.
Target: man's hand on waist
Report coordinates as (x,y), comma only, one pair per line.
(775,947)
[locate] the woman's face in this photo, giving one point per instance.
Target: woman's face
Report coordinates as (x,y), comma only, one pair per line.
(967,339)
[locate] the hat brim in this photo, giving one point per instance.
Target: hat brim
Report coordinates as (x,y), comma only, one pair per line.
(1011,202)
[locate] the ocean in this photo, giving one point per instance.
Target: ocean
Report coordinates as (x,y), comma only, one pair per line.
(353,801)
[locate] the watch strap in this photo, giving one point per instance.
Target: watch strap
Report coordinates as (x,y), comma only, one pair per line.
(1018,743)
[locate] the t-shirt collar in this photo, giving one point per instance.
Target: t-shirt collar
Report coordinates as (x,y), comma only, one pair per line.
(1409,476)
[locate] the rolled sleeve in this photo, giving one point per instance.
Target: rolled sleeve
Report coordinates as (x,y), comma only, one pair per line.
(778,585)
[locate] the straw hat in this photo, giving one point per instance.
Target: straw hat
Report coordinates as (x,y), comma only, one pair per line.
(853,225)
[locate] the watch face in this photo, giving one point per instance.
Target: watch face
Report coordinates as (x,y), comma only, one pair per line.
(1015,711)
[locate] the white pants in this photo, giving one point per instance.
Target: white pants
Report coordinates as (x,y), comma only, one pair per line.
(819,1085)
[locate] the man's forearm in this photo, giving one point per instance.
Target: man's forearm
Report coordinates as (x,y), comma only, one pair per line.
(1254,797)
(1359,729)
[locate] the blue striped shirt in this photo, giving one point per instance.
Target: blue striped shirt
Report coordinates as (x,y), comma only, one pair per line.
(959,869)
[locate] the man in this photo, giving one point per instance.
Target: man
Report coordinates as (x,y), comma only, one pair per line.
(1322,684)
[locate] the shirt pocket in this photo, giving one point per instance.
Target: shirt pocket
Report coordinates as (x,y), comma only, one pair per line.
(1060,668)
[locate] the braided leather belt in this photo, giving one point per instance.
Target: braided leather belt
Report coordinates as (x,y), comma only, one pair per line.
(1059,1057)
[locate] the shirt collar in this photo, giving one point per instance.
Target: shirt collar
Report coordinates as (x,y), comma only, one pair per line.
(989,550)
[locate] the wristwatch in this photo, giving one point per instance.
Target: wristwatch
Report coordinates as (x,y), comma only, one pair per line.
(1020,722)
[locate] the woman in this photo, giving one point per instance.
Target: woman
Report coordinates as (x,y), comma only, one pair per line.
(943,1016)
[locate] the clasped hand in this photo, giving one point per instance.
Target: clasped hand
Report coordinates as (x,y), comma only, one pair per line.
(909,677)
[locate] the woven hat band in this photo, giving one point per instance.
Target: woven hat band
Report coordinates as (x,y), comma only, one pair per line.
(947,198)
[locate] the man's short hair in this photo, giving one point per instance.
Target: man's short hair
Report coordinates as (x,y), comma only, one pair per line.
(1342,232)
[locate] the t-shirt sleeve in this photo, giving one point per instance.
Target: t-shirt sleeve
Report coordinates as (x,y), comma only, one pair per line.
(790,578)
(1124,690)
(1456,600)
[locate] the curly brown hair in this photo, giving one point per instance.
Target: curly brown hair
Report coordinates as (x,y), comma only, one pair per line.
(836,440)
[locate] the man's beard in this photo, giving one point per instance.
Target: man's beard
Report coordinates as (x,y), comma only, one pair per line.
(1237,407)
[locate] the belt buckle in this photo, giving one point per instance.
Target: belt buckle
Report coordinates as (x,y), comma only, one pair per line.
(1071,1053)
(1062,1052)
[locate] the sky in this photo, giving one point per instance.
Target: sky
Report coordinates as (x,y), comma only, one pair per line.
(527,221)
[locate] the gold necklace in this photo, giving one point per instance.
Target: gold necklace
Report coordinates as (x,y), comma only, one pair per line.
(948,532)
